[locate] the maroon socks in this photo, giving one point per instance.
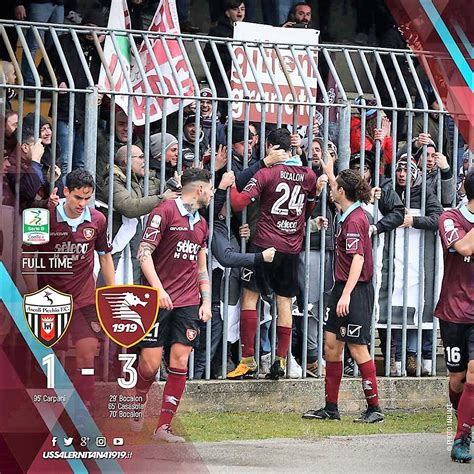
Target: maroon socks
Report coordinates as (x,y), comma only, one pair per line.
(283,336)
(454,397)
(369,383)
(465,411)
(248,329)
(172,393)
(332,382)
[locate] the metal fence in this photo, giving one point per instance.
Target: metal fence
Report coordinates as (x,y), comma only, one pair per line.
(319,87)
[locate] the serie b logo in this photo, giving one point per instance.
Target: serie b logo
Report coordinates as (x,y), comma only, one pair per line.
(35,226)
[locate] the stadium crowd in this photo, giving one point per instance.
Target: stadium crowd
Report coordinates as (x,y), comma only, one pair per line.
(394,185)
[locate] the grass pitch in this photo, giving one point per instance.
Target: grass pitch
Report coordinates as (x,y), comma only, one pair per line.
(240,426)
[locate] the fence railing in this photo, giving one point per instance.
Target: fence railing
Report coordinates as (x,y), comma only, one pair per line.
(149,84)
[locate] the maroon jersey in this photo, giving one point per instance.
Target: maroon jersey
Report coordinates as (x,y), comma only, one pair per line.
(284,192)
(353,239)
(178,238)
(457,291)
(75,241)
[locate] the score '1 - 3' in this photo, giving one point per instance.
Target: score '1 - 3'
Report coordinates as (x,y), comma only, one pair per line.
(124,382)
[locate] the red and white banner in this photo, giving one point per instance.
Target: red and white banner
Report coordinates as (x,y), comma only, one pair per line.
(164,21)
(269,34)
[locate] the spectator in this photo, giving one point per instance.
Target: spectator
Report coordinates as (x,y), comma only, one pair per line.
(372,133)
(46,138)
(191,135)
(31,175)
(428,223)
(11,124)
(10,79)
(91,18)
(435,161)
(206,113)
(171,154)
(234,11)
(41,11)
(120,140)
(130,206)
(280,10)
(299,16)
(433,121)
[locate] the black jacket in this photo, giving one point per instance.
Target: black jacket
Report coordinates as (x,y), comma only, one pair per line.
(227,251)
(390,206)
(433,208)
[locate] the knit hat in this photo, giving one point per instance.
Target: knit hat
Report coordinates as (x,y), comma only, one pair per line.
(369,113)
(29,121)
(156,142)
(206,92)
(94,17)
(402,163)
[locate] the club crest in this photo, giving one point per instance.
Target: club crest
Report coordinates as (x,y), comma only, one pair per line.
(127,312)
(48,314)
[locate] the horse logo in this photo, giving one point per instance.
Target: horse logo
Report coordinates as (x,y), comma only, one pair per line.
(127,312)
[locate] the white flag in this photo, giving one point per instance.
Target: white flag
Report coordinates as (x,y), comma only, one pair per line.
(119,18)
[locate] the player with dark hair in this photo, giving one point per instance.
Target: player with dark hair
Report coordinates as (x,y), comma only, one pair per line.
(172,256)
(352,299)
(455,311)
(80,230)
(287,192)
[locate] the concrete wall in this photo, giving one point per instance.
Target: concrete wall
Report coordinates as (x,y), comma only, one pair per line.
(289,395)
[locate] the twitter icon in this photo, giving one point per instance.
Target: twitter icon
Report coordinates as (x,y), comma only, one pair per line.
(68,442)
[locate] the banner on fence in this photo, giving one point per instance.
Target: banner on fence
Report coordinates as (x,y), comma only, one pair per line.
(269,34)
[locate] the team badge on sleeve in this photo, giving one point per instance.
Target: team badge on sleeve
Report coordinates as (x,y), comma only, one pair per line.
(451,232)
(352,243)
(48,314)
(127,312)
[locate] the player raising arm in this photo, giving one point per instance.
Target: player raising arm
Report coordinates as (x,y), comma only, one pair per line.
(352,299)
(455,311)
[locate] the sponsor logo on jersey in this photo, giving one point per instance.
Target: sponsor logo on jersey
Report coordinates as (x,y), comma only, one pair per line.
(70,247)
(35,226)
(191,334)
(127,313)
(287,226)
(174,228)
(155,222)
(88,233)
(48,314)
(186,250)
